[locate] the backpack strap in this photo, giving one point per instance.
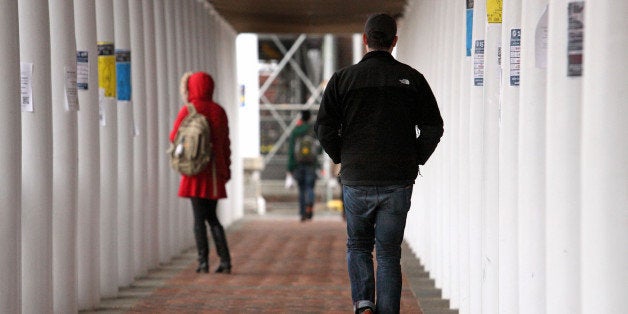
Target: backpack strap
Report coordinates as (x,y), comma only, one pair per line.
(191,108)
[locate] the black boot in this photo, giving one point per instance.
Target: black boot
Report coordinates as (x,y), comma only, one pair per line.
(203,251)
(223,250)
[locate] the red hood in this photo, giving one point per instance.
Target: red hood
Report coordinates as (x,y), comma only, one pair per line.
(200,87)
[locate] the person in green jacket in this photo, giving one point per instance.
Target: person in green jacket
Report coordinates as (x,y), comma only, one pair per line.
(303,152)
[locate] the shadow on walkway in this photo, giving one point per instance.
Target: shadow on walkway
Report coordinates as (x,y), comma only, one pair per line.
(280,265)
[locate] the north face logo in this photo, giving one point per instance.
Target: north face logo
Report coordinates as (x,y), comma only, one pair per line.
(404,81)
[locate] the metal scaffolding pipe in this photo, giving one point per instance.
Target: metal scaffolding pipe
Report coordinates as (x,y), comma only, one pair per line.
(10,159)
(88,215)
(108,150)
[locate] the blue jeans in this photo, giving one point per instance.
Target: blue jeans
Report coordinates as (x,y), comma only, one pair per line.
(376,216)
(305,175)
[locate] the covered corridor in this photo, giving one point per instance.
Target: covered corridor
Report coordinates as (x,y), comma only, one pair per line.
(522,209)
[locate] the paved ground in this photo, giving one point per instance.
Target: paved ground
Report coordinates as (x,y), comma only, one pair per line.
(280,266)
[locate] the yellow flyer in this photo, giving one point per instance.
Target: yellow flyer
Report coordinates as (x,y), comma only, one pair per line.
(107,68)
(494,11)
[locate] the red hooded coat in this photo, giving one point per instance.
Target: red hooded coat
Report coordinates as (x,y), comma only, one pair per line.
(198,89)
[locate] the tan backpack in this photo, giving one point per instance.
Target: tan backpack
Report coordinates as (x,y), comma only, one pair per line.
(191,151)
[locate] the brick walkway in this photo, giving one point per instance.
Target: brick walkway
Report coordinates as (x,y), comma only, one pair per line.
(280,265)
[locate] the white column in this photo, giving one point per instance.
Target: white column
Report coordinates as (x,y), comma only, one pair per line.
(164,125)
(181,203)
(64,158)
(125,144)
(197,64)
(532,158)
(464,167)
(189,66)
(444,82)
(152,247)
(187,39)
(108,154)
(358,47)
(508,156)
(563,125)
(88,234)
(36,162)
(457,55)
(490,210)
(172,105)
(247,57)
(138,97)
(476,142)
(248,79)
(604,161)
(10,159)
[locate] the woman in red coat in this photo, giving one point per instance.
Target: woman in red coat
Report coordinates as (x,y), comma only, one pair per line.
(207,187)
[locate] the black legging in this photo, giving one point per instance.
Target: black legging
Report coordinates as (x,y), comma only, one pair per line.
(204,210)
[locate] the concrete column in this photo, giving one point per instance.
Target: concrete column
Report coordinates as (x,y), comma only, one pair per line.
(187,39)
(10,159)
(164,125)
(508,156)
(476,144)
(125,142)
(172,105)
(188,218)
(329,67)
(138,82)
(248,112)
(457,55)
(88,215)
(65,153)
(152,247)
(358,47)
(490,210)
(563,123)
(108,154)
(236,187)
(532,158)
(198,64)
(604,236)
(465,79)
(36,162)
(181,46)
(444,156)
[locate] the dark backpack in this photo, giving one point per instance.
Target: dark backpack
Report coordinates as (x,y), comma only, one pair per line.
(306,148)
(192,148)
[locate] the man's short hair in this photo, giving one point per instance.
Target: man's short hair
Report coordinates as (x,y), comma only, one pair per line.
(380,30)
(305,115)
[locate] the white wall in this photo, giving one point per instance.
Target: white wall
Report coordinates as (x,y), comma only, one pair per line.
(128,140)
(523,208)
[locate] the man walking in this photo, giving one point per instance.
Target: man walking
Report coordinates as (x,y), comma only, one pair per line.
(368,120)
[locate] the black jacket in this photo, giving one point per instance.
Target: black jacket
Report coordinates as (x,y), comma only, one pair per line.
(368,121)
